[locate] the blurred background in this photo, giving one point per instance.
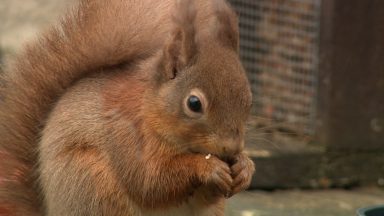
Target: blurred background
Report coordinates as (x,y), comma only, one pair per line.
(316,68)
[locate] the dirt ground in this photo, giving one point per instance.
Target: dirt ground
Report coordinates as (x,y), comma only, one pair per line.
(304,203)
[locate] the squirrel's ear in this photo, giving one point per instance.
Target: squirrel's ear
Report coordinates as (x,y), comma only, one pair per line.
(225,25)
(181,47)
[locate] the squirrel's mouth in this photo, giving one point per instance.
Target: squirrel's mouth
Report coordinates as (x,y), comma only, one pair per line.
(230,160)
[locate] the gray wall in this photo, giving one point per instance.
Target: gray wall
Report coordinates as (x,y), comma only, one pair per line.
(21,20)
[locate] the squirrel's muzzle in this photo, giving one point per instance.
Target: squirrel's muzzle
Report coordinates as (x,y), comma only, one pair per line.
(231,147)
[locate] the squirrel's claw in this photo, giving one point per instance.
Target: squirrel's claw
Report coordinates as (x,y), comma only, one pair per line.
(217,175)
(242,171)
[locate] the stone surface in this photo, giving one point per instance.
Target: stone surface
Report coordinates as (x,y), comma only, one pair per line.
(304,203)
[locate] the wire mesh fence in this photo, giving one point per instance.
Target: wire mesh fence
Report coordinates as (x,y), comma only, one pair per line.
(279,49)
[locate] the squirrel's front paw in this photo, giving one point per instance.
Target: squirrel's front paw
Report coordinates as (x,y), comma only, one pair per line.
(242,171)
(217,176)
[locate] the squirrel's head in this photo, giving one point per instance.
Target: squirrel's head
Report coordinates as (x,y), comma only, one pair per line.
(202,98)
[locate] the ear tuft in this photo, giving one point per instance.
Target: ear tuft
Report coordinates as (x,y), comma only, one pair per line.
(226,25)
(181,48)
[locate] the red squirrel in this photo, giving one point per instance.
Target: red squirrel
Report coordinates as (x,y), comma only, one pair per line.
(128,107)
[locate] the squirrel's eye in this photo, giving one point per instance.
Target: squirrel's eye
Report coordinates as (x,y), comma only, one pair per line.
(194,104)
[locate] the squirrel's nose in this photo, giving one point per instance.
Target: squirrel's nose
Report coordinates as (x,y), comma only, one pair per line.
(232,147)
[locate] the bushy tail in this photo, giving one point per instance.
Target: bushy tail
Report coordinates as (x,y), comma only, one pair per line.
(97,35)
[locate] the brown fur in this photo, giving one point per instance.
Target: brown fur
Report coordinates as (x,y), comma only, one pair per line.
(92,119)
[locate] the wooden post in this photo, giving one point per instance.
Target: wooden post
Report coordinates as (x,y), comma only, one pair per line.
(351,92)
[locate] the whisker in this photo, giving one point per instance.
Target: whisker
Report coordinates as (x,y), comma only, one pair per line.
(274,144)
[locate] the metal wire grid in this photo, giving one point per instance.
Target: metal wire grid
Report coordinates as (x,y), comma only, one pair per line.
(279,49)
